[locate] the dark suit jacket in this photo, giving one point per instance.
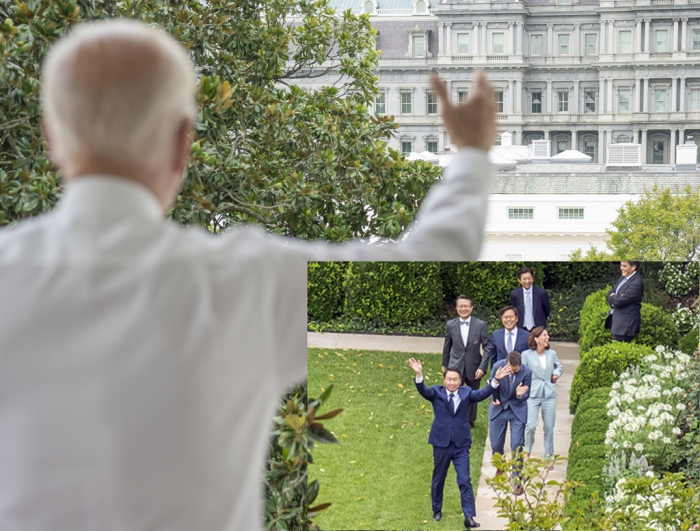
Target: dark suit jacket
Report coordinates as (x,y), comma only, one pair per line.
(473,358)
(627,303)
(540,305)
(498,344)
(508,396)
(448,426)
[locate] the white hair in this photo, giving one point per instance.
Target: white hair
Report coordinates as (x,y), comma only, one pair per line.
(118,89)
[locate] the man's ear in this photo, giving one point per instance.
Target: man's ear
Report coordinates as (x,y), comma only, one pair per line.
(184,136)
(50,151)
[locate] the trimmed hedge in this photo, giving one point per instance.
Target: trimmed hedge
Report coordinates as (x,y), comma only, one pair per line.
(490,283)
(324,281)
(657,327)
(595,398)
(393,292)
(600,366)
(689,343)
(568,275)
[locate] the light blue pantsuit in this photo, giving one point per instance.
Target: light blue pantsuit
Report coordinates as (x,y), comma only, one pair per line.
(543,395)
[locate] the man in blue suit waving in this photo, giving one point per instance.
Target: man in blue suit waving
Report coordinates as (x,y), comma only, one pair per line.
(509,338)
(450,433)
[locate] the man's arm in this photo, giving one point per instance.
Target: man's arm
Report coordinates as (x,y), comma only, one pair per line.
(446,350)
(426,392)
(527,382)
(493,354)
(486,346)
(546,304)
(558,367)
(632,293)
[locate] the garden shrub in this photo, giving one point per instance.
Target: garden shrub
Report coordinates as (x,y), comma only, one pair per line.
(590,419)
(393,292)
(325,289)
(678,278)
(589,471)
(564,320)
(595,398)
(490,283)
(657,327)
(585,438)
(568,275)
(689,343)
(586,451)
(600,366)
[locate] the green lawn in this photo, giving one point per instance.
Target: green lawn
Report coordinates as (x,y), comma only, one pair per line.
(379,477)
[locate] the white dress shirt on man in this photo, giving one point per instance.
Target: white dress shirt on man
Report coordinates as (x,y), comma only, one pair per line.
(141,362)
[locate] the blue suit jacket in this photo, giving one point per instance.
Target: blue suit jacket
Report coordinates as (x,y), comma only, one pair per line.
(518,405)
(498,344)
(541,306)
(448,426)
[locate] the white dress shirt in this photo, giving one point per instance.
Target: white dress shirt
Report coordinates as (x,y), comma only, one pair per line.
(464,329)
(141,362)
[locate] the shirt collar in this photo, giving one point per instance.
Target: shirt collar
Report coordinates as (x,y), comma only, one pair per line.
(527,290)
(467,320)
(106,196)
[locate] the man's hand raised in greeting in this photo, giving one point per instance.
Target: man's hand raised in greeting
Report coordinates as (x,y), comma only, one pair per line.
(502,372)
(417,367)
(472,123)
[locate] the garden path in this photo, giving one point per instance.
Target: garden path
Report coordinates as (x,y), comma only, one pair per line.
(568,354)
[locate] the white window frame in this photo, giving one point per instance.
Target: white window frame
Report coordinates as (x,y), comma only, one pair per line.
(363,6)
(656,40)
(595,43)
(566,212)
(521,212)
(466,37)
(541,37)
(405,140)
(695,99)
(409,93)
(430,95)
(381,93)
(493,43)
(620,91)
(532,101)
(502,101)
(595,102)
(566,47)
(431,139)
(695,43)
(629,42)
(562,101)
(665,92)
(412,34)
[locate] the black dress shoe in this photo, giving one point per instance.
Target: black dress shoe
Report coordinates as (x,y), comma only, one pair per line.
(437,516)
(470,523)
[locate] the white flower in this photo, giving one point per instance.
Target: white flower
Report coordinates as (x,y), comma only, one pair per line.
(680,407)
(641,408)
(626,444)
(676,390)
(676,431)
(639,447)
(649,474)
(666,440)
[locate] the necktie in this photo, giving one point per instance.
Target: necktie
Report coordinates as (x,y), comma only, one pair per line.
(509,343)
(451,402)
(529,321)
(465,323)
(510,382)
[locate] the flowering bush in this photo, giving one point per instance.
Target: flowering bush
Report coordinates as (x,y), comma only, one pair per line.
(684,319)
(677,279)
(645,404)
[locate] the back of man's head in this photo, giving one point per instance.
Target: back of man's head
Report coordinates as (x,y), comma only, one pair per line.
(118,90)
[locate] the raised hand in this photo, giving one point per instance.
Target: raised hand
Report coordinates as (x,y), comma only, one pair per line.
(473,123)
(521,390)
(502,372)
(417,366)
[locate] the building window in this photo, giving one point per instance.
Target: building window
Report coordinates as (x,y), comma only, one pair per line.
(589,149)
(380,103)
(661,40)
(658,152)
(420,6)
(462,96)
(431,100)
(498,99)
(431,145)
(562,145)
(695,99)
(463,43)
(564,44)
(589,101)
(418,46)
(536,45)
(406,146)
(406,103)
(625,41)
(536,102)
(497,42)
(563,101)
(623,100)
(570,213)
(659,100)
(369,8)
(591,44)
(564,2)
(696,39)
(520,213)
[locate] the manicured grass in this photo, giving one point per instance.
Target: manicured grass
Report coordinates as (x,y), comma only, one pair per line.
(379,477)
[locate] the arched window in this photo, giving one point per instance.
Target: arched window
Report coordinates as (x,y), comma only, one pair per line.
(369,8)
(420,6)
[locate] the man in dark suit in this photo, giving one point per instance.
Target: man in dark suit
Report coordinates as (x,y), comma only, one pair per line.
(462,351)
(532,302)
(509,406)
(625,300)
(450,434)
(509,338)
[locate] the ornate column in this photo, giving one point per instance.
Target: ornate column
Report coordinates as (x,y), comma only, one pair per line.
(673,146)
(511,94)
(684,35)
(511,39)
(574,139)
(647,33)
(601,146)
(637,94)
(603,36)
(484,45)
(550,40)
(675,34)
(611,40)
(638,37)
(682,107)
(550,97)
(441,39)
(610,97)
(577,99)
(635,135)
(518,96)
(674,92)
(576,44)
(681,137)
(644,95)
(449,39)
(519,40)
(644,146)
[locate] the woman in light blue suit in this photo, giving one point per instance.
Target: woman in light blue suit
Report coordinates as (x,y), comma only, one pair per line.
(546,370)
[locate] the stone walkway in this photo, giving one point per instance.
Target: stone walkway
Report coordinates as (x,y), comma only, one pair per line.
(568,355)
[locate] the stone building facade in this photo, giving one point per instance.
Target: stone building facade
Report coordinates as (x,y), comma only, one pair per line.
(581,73)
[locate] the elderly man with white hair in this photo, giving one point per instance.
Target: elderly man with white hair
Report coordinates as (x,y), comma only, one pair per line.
(139,360)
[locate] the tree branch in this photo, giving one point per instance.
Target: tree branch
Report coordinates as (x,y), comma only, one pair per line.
(14,123)
(230,206)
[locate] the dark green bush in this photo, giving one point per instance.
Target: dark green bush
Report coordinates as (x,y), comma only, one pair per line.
(657,327)
(490,283)
(585,438)
(689,343)
(590,471)
(325,289)
(589,420)
(568,275)
(564,321)
(582,452)
(393,293)
(594,399)
(600,366)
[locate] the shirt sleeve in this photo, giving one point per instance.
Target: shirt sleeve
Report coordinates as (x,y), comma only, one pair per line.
(419,379)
